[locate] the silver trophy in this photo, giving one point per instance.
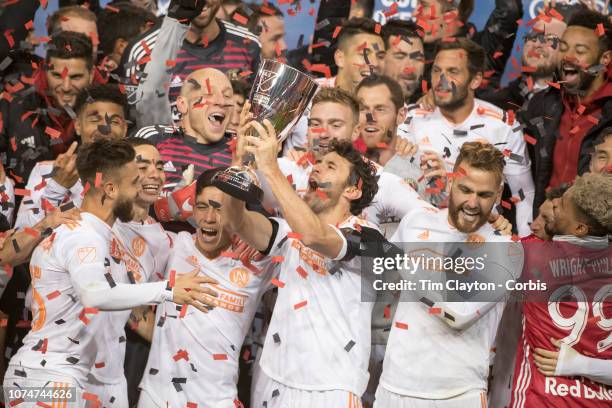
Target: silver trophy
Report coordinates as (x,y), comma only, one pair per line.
(280,94)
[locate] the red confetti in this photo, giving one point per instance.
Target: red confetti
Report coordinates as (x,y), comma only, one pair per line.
(336,31)
(22,192)
(387,312)
(302,272)
(172,278)
(435,310)
(291,235)
(98,181)
(53,133)
(170,63)
(101,364)
(219,356)
(530,139)
(181,355)
(9,38)
(400,325)
(277,283)
(53,294)
(278,259)
(240,19)
(31,231)
(300,305)
(600,31)
(183,311)
(88,396)
(29,25)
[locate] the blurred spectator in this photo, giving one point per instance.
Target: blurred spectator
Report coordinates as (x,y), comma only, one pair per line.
(38,121)
(578,111)
(118,26)
(228,7)
(241,94)
(405,58)
(601,158)
(77,19)
(267,22)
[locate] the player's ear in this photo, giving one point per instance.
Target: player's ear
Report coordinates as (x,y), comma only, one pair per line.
(352,193)
(476,81)
(181,104)
(110,188)
(339,58)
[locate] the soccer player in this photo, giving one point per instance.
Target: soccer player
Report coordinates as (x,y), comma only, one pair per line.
(194,356)
(318,342)
(601,159)
(381,111)
(76,275)
(459,117)
(206,106)
(564,357)
(438,354)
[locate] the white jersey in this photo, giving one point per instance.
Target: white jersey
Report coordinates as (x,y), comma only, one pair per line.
(194,356)
(62,337)
(7,199)
(394,199)
(431,131)
(140,250)
(319,335)
(425,357)
(45,194)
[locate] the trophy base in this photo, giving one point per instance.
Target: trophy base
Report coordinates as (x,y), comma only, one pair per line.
(240,183)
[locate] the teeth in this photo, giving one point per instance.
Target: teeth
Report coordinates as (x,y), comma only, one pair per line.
(369,129)
(216,117)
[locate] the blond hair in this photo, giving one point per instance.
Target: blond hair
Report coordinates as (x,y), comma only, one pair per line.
(482,156)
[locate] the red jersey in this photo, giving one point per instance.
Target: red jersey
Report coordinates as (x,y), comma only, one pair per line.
(582,278)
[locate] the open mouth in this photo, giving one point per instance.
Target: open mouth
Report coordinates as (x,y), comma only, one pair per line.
(151,188)
(313,185)
(216,119)
(570,73)
(470,215)
(208,234)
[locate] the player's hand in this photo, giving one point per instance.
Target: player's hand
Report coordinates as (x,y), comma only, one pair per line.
(65,172)
(432,165)
(427,101)
(186,10)
(188,175)
(56,218)
(405,148)
(245,118)
(265,147)
(500,223)
(546,360)
(188,290)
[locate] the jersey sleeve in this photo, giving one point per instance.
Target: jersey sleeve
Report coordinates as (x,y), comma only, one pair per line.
(279,237)
(30,211)
(394,198)
(85,256)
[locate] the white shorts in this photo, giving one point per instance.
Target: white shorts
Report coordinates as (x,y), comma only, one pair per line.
(109,395)
(148,399)
(388,399)
(277,395)
(61,385)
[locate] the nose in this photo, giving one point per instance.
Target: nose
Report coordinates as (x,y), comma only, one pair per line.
(66,84)
(209,216)
(472,201)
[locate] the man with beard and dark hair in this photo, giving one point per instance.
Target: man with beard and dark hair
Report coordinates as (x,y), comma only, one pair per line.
(193,39)
(78,265)
(38,121)
(566,122)
(405,58)
(267,21)
(459,117)
(450,349)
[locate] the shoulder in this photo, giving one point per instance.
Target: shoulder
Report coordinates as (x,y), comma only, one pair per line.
(495,116)
(241,32)
(416,111)
(143,43)
(156,133)
(357,223)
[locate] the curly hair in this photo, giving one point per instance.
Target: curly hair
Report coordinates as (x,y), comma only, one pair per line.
(103,156)
(592,194)
(101,93)
(482,156)
(362,175)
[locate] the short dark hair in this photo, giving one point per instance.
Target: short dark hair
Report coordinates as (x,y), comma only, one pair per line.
(257,11)
(362,175)
(139,141)
(397,97)
(206,179)
(122,21)
(356,26)
(241,88)
(102,156)
(70,45)
(475,53)
(101,93)
(406,29)
(601,138)
(54,21)
(591,19)
(340,96)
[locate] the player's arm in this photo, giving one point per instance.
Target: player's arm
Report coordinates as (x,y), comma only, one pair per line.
(85,258)
(17,247)
(567,362)
(253,228)
(314,233)
(142,321)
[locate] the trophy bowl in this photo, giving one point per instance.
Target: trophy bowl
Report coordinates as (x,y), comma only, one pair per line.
(280,94)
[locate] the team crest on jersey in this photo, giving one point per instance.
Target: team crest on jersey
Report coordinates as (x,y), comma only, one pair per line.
(86,254)
(239,277)
(138,246)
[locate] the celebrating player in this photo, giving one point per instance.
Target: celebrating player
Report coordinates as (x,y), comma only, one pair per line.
(565,356)
(438,354)
(459,117)
(318,342)
(194,356)
(75,275)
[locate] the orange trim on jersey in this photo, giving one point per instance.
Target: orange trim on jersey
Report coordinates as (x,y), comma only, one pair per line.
(483,400)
